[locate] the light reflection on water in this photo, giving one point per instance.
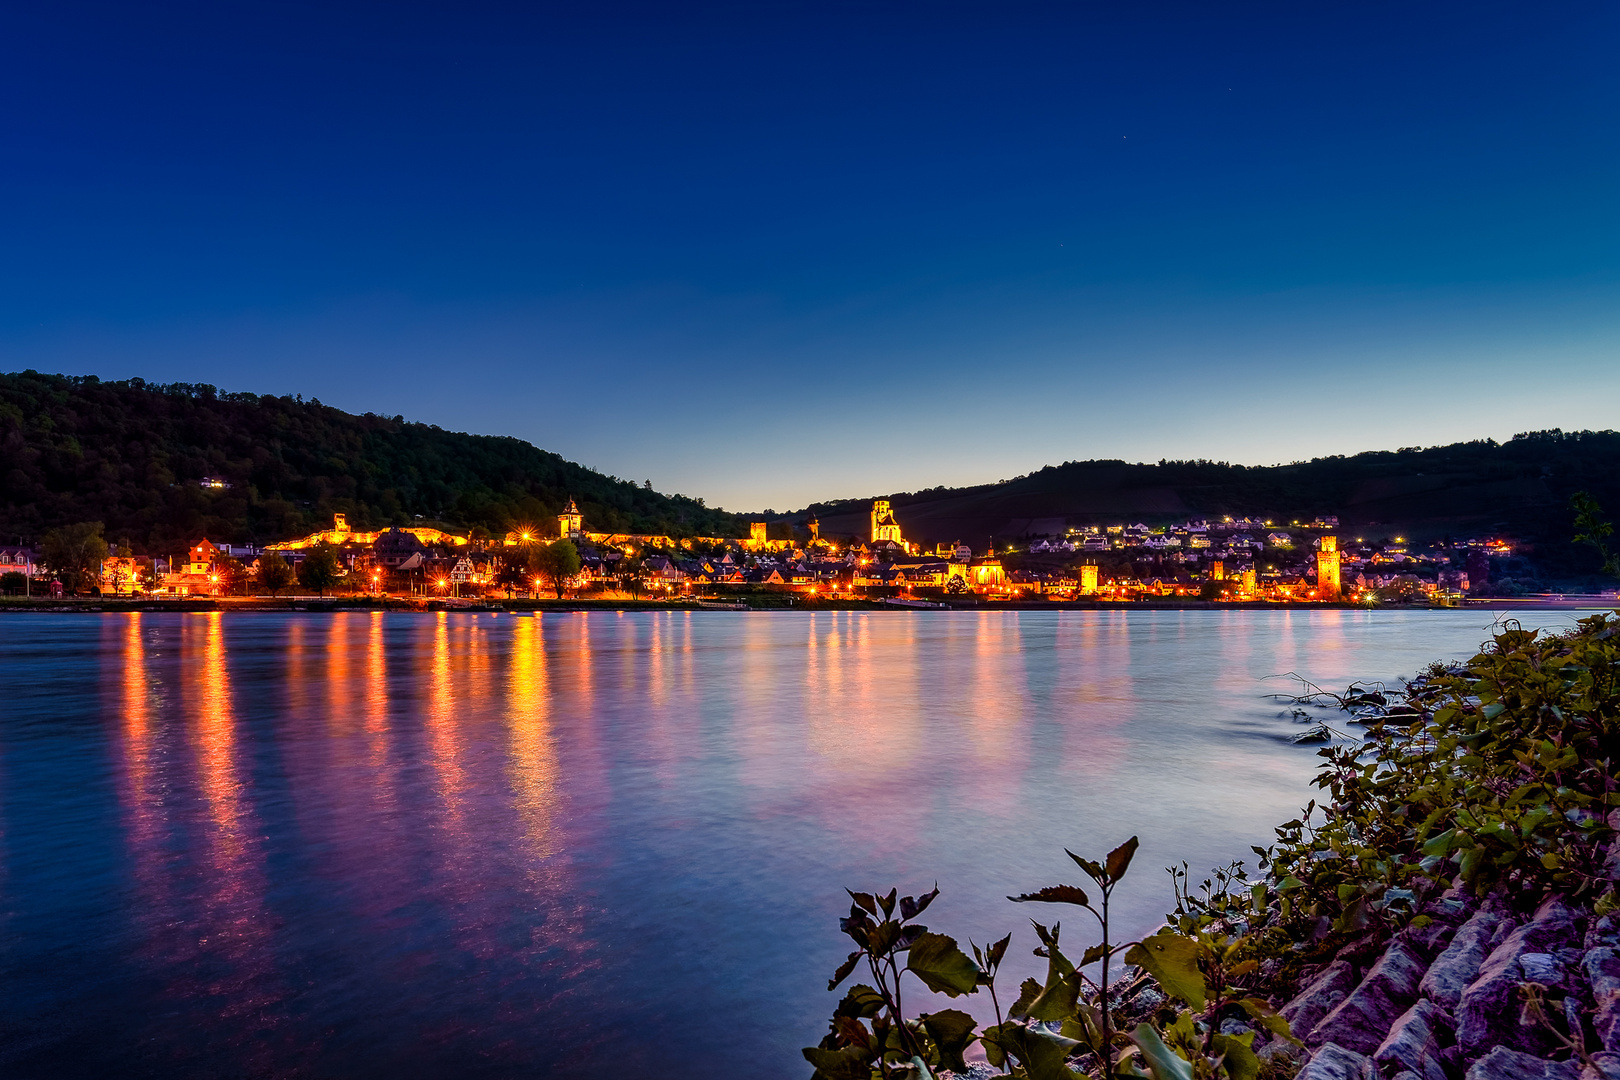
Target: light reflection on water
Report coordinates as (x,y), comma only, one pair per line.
(581,845)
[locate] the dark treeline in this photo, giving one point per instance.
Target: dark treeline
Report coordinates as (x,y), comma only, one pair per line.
(1520,488)
(132,455)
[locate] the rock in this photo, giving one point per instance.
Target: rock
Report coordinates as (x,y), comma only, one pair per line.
(1458,966)
(1413,1043)
(1543,968)
(1504,1064)
(1363,1019)
(1604,932)
(1488,1012)
(1608,1064)
(1234,1026)
(1334,1062)
(1429,940)
(1450,908)
(1602,969)
(1321,996)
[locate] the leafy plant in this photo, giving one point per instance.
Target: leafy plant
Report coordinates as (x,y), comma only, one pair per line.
(1055,1026)
(870,1035)
(1503,772)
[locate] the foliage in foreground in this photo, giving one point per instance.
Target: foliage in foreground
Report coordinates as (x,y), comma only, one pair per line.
(1108,1029)
(1500,774)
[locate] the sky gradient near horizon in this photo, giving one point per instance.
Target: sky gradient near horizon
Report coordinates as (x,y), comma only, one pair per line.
(774,253)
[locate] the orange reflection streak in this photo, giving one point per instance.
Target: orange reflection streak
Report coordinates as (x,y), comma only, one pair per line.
(137,716)
(377,692)
(584,676)
(1098,696)
(339,690)
(142,798)
(478,677)
(659,658)
(1000,700)
(237,933)
(533,755)
(443,738)
(216,743)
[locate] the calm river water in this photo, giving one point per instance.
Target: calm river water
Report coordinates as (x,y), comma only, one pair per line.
(369,845)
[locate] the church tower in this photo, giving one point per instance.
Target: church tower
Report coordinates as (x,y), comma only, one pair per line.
(570,523)
(1327,569)
(884,527)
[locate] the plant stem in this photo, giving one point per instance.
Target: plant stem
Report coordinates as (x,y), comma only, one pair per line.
(1107,1032)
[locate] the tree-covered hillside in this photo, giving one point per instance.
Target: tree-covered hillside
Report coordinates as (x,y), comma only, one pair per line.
(132,455)
(1520,488)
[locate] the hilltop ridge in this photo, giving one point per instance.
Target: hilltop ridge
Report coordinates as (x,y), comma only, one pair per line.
(1519,488)
(162,465)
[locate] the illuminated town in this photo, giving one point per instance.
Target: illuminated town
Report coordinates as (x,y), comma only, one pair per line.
(1213,560)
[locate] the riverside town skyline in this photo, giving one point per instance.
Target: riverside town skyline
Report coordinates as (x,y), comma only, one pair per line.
(809,541)
(1223,560)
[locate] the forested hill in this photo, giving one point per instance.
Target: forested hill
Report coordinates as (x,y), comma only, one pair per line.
(1520,488)
(132,454)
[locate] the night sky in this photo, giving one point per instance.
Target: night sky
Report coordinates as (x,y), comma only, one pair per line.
(767,253)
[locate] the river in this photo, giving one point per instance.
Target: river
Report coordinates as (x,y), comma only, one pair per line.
(605,844)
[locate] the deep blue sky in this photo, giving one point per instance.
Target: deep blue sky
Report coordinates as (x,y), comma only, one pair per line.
(772,252)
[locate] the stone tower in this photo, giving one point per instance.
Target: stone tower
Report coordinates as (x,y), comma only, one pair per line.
(884,527)
(1088,579)
(756,534)
(570,523)
(815,529)
(1327,569)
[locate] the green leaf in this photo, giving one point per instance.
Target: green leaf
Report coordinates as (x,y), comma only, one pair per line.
(1056,1000)
(910,908)
(1092,869)
(1163,1062)
(1289,883)
(1119,860)
(850,1063)
(1055,894)
(1028,991)
(1173,961)
(994,954)
(865,900)
(1041,1054)
(952,1032)
(1269,1018)
(943,968)
(1236,1054)
(844,969)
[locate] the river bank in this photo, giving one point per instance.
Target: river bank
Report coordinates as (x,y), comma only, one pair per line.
(1445,910)
(743,601)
